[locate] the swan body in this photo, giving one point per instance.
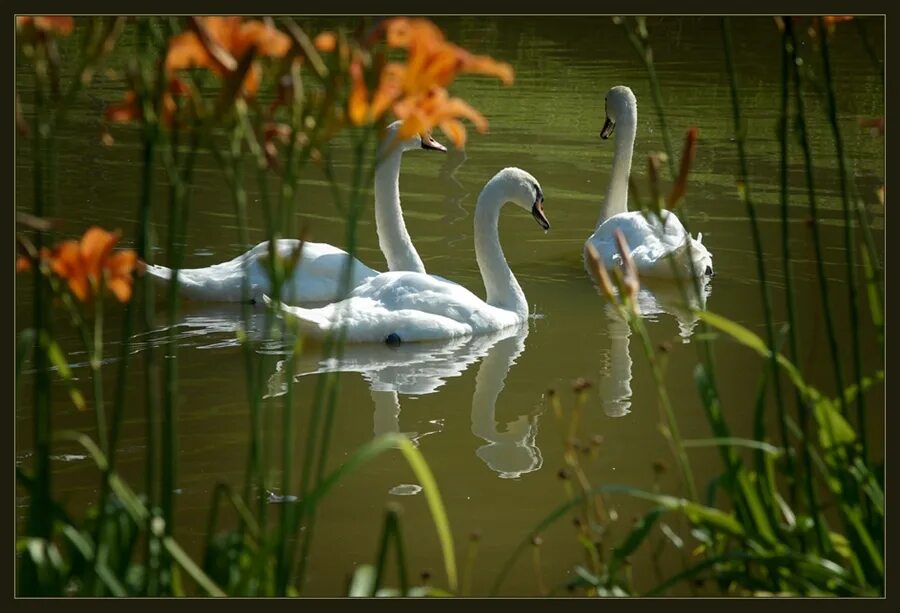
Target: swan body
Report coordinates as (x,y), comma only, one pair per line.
(318,276)
(414,306)
(659,247)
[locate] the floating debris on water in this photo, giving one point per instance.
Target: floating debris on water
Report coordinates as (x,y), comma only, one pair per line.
(405,489)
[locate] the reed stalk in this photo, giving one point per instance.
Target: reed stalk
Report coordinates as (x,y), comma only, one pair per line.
(849,243)
(814,218)
(744,190)
(802,407)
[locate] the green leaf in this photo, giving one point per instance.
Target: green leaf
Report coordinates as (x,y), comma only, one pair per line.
(56,355)
(426,479)
(190,567)
(834,430)
(751,340)
(732,441)
(635,537)
(872,291)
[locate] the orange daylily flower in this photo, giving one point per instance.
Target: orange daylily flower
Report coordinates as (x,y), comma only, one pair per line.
(436,108)
(230,38)
(59,24)
(831,20)
(325,42)
(415,90)
(434,61)
(83,264)
(129,110)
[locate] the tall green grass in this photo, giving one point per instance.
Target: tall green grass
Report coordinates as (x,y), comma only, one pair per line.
(127,543)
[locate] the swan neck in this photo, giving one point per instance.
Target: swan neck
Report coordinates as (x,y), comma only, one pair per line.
(393,238)
(617,192)
(502,290)
(489,382)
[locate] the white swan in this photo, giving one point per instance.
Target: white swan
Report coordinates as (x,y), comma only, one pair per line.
(398,307)
(654,245)
(318,274)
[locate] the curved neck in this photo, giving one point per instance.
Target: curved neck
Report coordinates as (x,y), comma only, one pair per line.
(393,238)
(387,412)
(617,192)
(501,288)
(489,383)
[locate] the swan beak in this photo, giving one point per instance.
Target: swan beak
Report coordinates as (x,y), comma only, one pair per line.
(608,128)
(537,211)
(428,142)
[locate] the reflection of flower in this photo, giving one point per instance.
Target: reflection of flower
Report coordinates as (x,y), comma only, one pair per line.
(59,24)
(415,90)
(130,110)
(220,42)
(84,264)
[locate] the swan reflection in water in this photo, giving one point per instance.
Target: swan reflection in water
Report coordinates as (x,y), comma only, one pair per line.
(416,369)
(655,298)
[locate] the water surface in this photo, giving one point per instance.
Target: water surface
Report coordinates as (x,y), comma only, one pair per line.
(476,408)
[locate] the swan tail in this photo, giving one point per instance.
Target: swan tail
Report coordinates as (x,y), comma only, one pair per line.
(309,321)
(161,273)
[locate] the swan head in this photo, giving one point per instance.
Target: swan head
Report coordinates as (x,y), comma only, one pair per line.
(621,105)
(523,190)
(416,141)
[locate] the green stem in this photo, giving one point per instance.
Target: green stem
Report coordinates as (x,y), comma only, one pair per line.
(678,445)
(849,244)
(739,131)
(802,407)
(814,220)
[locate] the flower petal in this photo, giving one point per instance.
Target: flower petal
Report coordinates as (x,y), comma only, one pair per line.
(325,42)
(186,51)
(358,104)
(96,245)
(455,131)
(120,287)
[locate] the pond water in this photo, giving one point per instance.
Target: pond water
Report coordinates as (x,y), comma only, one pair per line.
(477,408)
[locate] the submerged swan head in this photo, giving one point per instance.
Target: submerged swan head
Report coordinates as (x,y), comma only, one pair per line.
(519,187)
(621,105)
(417,141)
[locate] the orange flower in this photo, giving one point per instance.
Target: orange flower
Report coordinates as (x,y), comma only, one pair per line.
(326,42)
(51,24)
(416,90)
(436,108)
(227,40)
(432,60)
(129,110)
(831,20)
(83,264)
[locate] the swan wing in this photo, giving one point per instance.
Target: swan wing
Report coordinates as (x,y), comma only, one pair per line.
(413,306)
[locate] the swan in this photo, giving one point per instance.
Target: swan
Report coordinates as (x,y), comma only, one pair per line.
(654,244)
(318,274)
(397,307)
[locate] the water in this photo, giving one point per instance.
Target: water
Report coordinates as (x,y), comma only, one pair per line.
(476,408)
